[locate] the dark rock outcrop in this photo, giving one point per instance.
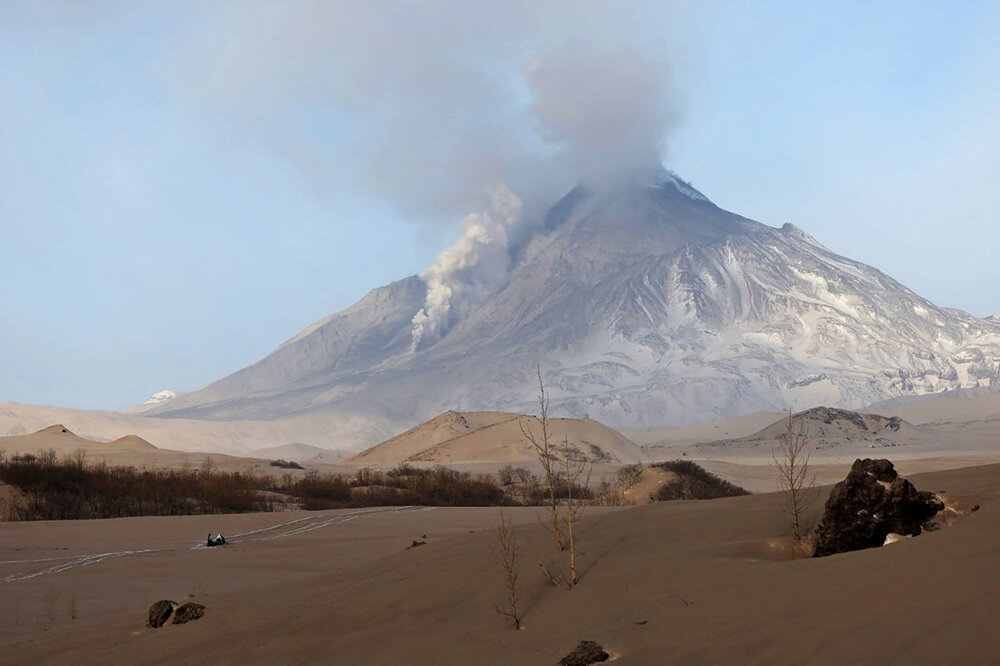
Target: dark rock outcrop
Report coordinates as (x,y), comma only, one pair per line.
(587,652)
(160,612)
(869,504)
(187,612)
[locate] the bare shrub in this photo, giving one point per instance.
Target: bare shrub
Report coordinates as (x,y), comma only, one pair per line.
(369,477)
(546,456)
(797,483)
(629,475)
(505,553)
(611,494)
(404,469)
(47,458)
(523,475)
(506,475)
(65,490)
(576,475)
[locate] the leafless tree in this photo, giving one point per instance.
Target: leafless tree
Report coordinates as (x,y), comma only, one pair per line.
(505,553)
(546,456)
(791,460)
(506,475)
(577,477)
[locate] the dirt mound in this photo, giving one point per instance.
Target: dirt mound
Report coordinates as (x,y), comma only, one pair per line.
(57,429)
(461,437)
(133,443)
(830,423)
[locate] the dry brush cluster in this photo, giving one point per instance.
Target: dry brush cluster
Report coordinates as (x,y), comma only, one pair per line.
(691,481)
(50,488)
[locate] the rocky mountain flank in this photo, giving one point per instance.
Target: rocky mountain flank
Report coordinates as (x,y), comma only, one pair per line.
(643,304)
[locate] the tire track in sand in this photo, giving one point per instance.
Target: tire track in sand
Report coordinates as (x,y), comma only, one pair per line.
(297,526)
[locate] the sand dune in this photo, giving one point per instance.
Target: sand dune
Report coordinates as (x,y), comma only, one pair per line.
(737,426)
(301,453)
(681,582)
(130,450)
(133,442)
(231,437)
(978,414)
(825,423)
(472,437)
(64,442)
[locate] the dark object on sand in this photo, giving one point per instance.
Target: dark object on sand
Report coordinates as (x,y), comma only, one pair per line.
(187,612)
(160,612)
(217,541)
(869,504)
(587,652)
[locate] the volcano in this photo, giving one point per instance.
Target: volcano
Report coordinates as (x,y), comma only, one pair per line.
(642,304)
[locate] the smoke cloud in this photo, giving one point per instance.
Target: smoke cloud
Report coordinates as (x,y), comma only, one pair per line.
(604,114)
(471,270)
(483,112)
(607,110)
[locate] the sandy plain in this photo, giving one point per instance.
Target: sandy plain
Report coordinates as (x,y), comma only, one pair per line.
(680,582)
(693,582)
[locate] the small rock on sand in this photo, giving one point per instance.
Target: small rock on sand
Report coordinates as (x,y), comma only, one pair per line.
(160,612)
(587,652)
(187,612)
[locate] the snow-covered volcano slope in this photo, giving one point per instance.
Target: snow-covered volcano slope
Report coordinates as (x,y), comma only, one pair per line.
(644,304)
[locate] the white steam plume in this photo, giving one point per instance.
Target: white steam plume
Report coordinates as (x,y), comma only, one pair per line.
(471,270)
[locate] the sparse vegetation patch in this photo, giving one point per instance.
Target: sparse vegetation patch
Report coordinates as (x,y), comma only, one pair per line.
(694,482)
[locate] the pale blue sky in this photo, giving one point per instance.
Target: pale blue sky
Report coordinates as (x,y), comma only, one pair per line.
(183,186)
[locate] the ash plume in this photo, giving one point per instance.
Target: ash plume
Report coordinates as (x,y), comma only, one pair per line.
(437,102)
(607,111)
(604,113)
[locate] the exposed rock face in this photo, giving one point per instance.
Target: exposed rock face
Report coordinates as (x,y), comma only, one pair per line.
(160,612)
(587,652)
(187,612)
(870,503)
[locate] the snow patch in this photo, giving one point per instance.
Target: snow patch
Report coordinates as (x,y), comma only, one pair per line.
(155,400)
(667,177)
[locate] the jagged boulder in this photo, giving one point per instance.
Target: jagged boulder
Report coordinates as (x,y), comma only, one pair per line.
(587,652)
(187,612)
(870,503)
(160,612)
